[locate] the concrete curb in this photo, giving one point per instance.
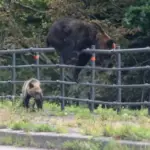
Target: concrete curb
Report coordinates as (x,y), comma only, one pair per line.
(55,140)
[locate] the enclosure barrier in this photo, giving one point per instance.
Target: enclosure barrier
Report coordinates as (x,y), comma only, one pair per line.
(62,81)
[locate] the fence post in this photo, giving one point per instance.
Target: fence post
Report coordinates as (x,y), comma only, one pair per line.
(119,96)
(3,97)
(149,105)
(77,96)
(92,88)
(62,85)
(37,63)
(14,73)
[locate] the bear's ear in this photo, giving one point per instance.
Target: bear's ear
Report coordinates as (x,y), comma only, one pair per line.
(31,85)
(111,44)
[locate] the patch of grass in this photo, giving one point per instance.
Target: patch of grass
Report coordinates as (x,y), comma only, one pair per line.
(112,145)
(69,110)
(24,142)
(79,112)
(120,130)
(21,125)
(90,127)
(48,128)
(72,123)
(131,132)
(81,145)
(128,124)
(6,104)
(28,126)
(93,145)
(20,142)
(128,132)
(106,114)
(8,140)
(61,129)
(50,145)
(51,106)
(136,113)
(44,128)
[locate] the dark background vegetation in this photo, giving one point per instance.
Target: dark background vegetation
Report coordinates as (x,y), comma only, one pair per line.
(25,23)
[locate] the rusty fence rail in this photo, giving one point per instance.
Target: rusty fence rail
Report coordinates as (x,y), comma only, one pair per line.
(92,84)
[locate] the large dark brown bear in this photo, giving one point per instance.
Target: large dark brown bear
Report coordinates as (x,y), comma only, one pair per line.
(32,88)
(71,36)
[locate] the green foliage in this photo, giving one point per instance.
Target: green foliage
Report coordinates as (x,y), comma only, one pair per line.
(28,126)
(130,125)
(138,15)
(80,145)
(20,126)
(25,23)
(115,146)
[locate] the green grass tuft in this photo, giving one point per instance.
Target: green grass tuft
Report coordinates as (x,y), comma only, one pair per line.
(129,124)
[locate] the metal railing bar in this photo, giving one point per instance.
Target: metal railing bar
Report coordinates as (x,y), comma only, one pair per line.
(107,103)
(119,92)
(16,96)
(62,97)
(27,50)
(51,49)
(72,66)
(145,103)
(146,85)
(113,51)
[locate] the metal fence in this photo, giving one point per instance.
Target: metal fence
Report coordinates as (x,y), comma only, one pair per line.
(92,84)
